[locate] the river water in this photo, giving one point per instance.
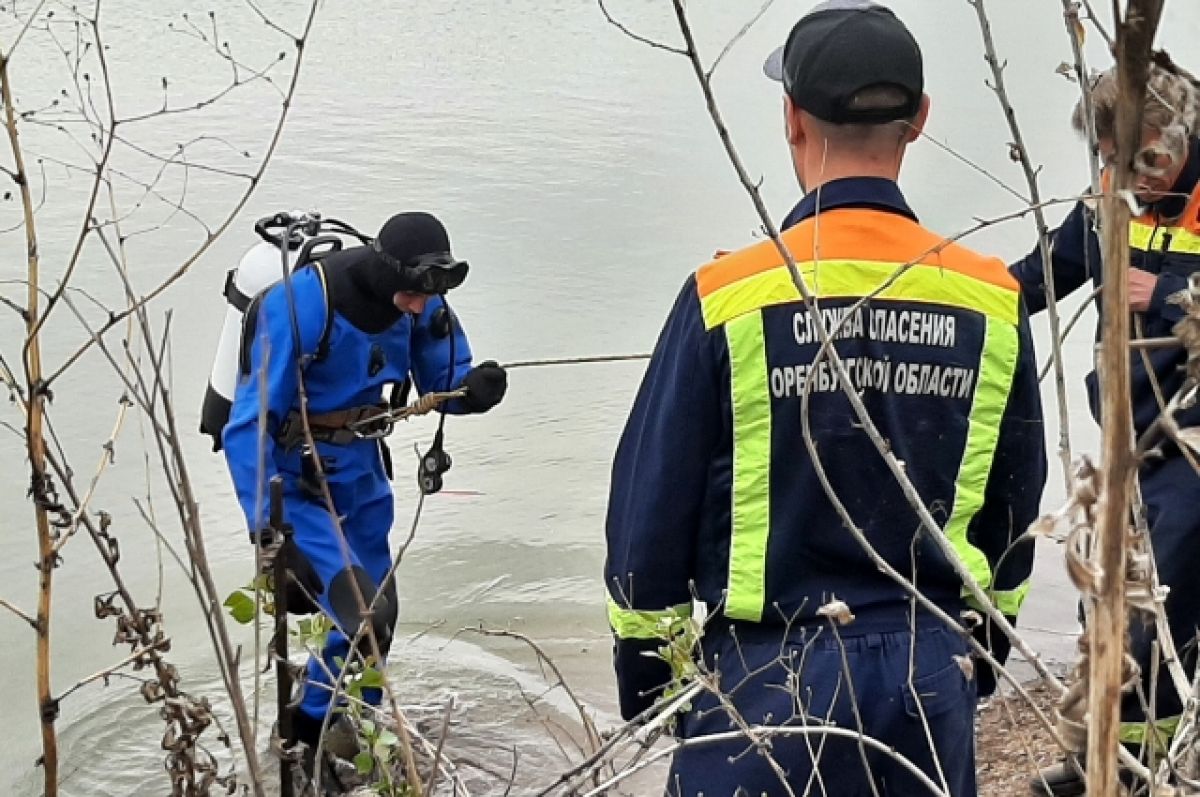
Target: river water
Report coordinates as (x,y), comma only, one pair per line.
(579,174)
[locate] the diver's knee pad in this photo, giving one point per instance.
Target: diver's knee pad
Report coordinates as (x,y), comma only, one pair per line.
(345,606)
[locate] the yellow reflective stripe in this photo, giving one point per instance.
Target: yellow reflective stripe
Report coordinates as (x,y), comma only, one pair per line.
(749,294)
(1145,237)
(751,493)
(1140,733)
(831,279)
(634,624)
(996,368)
(1007,601)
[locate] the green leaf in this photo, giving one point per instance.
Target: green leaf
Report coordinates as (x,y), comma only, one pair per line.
(371,679)
(388,739)
(314,631)
(241,606)
(364,762)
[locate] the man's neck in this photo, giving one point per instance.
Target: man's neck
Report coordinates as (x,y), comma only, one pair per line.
(828,170)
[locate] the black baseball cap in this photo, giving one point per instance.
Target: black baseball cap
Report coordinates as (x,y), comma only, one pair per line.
(838,49)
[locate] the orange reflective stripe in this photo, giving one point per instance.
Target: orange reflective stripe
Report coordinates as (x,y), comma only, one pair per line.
(850,279)
(854,234)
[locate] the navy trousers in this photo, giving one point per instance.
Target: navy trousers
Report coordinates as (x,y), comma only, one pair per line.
(1171,491)
(814,678)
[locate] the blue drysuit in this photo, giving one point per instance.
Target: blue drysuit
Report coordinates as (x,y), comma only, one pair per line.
(1165,241)
(354,373)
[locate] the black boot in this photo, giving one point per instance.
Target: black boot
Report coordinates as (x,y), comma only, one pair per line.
(1060,780)
(307,730)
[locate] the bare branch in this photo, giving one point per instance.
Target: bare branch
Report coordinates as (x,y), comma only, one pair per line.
(1135,35)
(738,37)
(187,263)
(637,37)
(19,613)
(136,656)
(1020,153)
(768,732)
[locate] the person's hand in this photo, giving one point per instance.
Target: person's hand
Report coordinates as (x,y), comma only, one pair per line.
(485,384)
(1141,289)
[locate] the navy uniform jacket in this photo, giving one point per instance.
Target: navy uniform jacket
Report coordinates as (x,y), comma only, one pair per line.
(1165,240)
(714,495)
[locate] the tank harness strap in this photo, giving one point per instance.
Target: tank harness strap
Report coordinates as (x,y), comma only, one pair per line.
(250,320)
(327,330)
(249,323)
(233,294)
(339,428)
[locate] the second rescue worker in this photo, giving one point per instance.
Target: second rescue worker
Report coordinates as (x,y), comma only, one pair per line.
(714,493)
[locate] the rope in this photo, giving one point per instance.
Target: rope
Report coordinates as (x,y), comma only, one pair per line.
(605,358)
(430,401)
(426,404)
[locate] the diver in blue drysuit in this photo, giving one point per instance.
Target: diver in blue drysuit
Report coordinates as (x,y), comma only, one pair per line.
(388,324)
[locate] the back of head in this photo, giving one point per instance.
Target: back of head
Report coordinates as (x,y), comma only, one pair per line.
(854,67)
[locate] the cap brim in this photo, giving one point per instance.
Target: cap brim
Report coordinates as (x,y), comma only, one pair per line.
(773,66)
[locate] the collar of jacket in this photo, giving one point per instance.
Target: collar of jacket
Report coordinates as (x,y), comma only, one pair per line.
(1173,206)
(876,193)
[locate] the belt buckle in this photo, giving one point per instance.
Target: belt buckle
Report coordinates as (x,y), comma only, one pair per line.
(372,428)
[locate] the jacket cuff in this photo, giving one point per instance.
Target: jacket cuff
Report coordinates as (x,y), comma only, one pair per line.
(1166,285)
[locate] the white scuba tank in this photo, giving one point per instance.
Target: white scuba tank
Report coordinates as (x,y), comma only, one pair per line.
(312,237)
(260,268)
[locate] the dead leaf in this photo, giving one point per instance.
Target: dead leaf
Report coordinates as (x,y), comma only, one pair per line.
(837,611)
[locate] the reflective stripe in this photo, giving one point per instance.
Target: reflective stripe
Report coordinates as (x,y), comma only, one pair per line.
(634,624)
(833,279)
(1146,237)
(1137,732)
(874,236)
(1007,601)
(996,367)
(751,493)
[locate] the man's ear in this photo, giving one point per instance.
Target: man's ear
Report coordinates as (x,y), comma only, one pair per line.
(793,123)
(914,128)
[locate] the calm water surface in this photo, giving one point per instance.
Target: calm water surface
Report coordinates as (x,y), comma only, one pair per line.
(578,173)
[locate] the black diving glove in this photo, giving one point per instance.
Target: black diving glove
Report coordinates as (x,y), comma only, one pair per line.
(485,384)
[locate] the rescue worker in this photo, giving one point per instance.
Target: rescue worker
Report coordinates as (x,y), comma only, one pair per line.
(714,495)
(366,317)
(1165,250)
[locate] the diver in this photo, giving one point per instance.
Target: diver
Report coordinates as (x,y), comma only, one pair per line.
(346,327)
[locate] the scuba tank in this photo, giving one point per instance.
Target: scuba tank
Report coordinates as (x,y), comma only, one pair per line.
(289,240)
